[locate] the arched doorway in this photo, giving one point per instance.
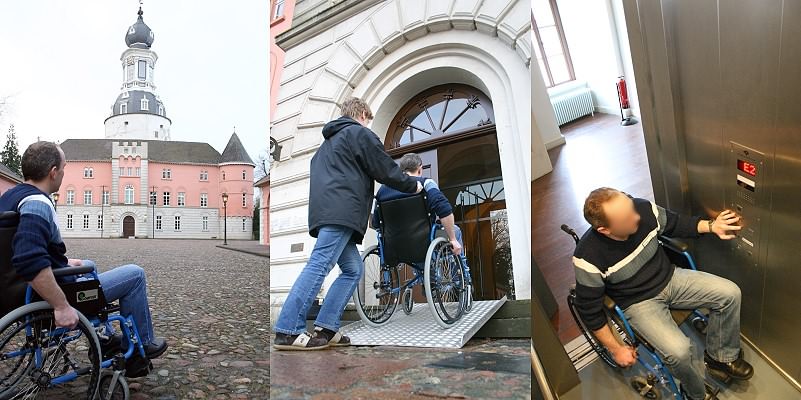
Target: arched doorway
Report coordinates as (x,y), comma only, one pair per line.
(452,127)
(128,226)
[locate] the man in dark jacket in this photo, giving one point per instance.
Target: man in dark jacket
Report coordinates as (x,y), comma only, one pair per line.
(342,178)
(620,257)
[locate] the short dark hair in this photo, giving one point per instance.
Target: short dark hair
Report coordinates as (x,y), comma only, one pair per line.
(38,159)
(410,162)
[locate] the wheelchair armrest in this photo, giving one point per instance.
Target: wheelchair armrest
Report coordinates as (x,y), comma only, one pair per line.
(674,244)
(84,269)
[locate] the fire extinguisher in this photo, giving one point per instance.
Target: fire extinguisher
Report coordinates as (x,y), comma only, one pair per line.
(623,99)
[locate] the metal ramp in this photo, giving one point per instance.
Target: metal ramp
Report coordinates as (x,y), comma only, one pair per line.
(420,330)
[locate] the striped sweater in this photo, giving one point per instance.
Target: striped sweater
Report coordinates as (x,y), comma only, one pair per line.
(37,244)
(628,271)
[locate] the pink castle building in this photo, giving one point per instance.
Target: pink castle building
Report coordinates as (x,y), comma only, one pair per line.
(138,183)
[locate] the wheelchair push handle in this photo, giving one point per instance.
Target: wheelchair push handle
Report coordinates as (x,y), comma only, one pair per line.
(570,232)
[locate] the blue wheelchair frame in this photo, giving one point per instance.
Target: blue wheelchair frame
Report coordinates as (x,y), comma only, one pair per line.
(419,272)
(658,368)
(127,325)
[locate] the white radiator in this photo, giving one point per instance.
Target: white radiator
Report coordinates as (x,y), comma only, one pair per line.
(572,105)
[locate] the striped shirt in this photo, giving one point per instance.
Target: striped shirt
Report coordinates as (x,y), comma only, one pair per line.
(627,271)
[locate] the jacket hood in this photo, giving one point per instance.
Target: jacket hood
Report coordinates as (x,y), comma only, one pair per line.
(331,128)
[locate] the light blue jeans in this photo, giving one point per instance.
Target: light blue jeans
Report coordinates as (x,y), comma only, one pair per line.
(689,290)
(127,284)
(333,247)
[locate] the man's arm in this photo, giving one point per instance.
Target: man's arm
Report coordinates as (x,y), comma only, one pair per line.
(46,286)
(721,225)
(438,203)
(380,166)
(448,223)
(31,259)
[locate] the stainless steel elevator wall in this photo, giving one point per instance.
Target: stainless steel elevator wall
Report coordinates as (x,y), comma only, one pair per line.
(718,82)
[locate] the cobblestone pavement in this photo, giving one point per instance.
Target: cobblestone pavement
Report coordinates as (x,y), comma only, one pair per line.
(402,373)
(211,304)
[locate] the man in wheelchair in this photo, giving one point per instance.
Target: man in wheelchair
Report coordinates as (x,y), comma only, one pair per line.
(438,204)
(619,257)
(38,249)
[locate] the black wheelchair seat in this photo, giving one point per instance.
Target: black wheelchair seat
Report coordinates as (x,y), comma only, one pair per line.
(405,225)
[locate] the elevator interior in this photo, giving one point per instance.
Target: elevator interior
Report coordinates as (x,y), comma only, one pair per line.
(719,84)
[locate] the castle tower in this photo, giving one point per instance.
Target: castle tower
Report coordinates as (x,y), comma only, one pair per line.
(138,112)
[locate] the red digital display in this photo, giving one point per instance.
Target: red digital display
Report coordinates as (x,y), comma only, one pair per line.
(747,167)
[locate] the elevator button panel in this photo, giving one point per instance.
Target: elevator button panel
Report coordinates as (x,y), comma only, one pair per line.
(744,196)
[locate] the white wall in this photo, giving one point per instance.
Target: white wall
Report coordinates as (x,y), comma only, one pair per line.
(545,132)
(594,48)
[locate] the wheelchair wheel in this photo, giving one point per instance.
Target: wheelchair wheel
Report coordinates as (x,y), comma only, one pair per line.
(36,356)
(596,345)
(376,295)
(111,388)
(445,285)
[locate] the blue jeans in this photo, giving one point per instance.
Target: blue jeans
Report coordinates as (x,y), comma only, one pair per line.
(333,247)
(689,290)
(128,285)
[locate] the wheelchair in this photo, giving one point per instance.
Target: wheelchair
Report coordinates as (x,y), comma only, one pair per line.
(409,237)
(657,373)
(39,360)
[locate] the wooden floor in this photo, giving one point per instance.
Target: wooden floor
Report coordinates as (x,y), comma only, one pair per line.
(599,152)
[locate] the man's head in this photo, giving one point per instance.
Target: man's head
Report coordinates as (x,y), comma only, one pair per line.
(411,164)
(43,165)
(357,109)
(611,212)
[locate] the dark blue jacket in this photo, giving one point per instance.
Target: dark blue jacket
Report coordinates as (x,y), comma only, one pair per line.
(37,244)
(342,175)
(437,202)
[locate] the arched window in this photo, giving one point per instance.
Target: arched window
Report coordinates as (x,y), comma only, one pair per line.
(244,175)
(129,194)
(439,112)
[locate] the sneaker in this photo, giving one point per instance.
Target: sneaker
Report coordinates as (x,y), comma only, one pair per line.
(303,341)
(333,338)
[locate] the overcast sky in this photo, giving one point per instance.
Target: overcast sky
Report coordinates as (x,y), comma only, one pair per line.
(60,65)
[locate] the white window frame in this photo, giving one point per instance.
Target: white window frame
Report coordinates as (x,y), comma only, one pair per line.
(144,104)
(204,200)
(123,108)
(99,222)
(87,194)
(159,222)
(244,224)
(165,199)
(181,199)
(70,197)
(244,200)
(131,191)
(106,198)
(86,221)
(205,223)
(176,223)
(69,221)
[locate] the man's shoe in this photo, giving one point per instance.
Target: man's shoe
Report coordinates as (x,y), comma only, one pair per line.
(156,348)
(110,346)
(304,341)
(332,338)
(711,392)
(738,369)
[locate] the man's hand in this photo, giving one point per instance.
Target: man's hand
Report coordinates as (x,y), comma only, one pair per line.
(625,356)
(457,248)
(74,262)
(725,223)
(66,317)
(419,187)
